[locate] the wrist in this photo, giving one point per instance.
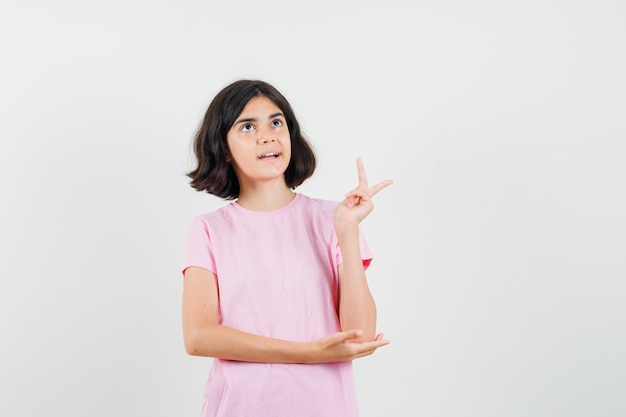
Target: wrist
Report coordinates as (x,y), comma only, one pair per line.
(343,228)
(307,353)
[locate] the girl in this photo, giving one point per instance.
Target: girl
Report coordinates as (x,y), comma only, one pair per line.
(274,282)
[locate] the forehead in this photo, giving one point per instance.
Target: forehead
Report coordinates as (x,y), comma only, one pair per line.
(259,106)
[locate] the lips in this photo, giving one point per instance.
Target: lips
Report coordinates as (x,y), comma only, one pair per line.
(268,155)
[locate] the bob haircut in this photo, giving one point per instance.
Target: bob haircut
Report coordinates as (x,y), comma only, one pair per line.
(213,173)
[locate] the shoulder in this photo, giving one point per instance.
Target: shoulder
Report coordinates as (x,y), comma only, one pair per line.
(318,203)
(318,212)
(212,217)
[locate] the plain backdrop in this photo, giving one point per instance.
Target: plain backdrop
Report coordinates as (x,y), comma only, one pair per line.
(500,250)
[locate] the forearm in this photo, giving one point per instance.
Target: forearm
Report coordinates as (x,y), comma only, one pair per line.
(229,343)
(357,309)
(217,341)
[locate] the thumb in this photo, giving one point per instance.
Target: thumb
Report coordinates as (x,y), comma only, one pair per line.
(352,334)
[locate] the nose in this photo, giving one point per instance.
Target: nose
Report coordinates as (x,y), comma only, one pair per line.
(266,136)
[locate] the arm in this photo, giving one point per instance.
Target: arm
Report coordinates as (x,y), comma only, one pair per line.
(204,336)
(357,309)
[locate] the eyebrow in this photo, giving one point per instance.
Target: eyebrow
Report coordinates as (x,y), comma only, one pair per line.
(252,119)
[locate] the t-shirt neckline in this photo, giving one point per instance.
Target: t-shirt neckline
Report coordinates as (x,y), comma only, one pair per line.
(276,212)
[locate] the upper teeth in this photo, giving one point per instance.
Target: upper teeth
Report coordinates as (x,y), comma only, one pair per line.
(270,154)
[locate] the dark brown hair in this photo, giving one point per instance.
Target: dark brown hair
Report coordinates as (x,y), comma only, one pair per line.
(213,173)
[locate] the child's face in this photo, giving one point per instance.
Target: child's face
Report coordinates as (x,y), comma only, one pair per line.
(259,142)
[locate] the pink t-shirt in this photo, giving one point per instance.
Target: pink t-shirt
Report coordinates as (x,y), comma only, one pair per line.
(277,277)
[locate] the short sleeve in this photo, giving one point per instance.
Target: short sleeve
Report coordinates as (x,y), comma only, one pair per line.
(199,250)
(366,254)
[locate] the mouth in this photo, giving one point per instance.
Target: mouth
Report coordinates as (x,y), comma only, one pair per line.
(268,155)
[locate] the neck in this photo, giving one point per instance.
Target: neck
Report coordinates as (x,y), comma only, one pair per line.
(265,197)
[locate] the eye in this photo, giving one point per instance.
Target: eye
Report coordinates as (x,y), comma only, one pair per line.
(277,123)
(247,127)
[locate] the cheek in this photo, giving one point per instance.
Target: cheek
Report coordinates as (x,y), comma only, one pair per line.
(287,141)
(238,148)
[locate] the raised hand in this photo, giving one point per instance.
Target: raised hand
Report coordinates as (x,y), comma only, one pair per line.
(358,202)
(341,346)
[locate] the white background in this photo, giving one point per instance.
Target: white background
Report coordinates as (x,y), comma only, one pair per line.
(500,262)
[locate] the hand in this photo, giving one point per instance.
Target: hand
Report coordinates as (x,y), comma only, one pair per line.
(339,347)
(358,202)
